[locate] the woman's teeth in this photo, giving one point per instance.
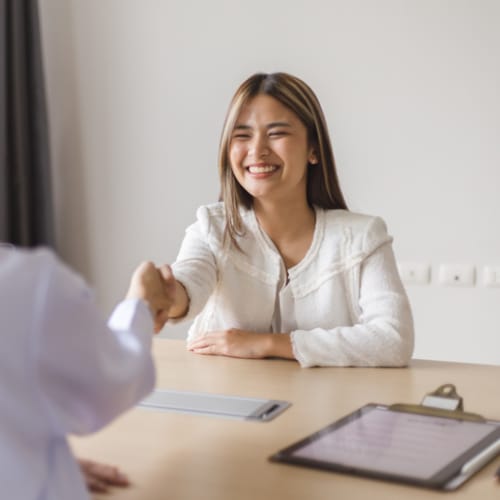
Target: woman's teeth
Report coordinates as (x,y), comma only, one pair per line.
(253,169)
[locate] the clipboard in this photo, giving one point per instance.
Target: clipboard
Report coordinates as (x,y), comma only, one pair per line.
(435,444)
(215,405)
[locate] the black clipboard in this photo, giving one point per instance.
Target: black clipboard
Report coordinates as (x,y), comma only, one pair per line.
(434,445)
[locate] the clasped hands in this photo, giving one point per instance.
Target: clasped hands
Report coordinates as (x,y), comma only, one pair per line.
(158,288)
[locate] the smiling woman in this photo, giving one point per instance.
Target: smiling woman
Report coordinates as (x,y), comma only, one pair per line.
(269,152)
(279,267)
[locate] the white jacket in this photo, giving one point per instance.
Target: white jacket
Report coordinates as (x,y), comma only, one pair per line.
(350,306)
(62,371)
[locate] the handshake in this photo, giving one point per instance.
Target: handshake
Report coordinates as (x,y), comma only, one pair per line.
(164,295)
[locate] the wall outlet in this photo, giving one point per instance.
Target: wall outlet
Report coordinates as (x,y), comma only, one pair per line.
(491,276)
(414,273)
(457,275)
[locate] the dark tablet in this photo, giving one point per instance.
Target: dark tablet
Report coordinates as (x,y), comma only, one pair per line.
(378,442)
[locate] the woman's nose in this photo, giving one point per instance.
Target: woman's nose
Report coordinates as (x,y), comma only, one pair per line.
(259,146)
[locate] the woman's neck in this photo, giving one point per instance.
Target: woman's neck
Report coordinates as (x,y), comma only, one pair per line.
(290,227)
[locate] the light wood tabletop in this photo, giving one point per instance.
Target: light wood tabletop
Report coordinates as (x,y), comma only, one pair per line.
(193,457)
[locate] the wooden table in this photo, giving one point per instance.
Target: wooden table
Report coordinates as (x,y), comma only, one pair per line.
(189,457)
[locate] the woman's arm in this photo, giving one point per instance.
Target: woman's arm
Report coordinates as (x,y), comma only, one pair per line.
(195,269)
(382,336)
(243,344)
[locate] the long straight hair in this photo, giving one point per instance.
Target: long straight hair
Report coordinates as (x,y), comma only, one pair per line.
(323,188)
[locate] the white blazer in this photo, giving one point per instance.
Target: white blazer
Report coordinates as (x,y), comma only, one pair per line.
(347,299)
(62,371)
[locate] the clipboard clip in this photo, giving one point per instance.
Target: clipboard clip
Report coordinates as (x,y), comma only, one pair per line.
(445,397)
(442,402)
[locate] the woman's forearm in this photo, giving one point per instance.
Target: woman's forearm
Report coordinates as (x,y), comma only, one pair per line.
(180,305)
(280,346)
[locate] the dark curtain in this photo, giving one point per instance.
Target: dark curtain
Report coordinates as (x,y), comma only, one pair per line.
(26,213)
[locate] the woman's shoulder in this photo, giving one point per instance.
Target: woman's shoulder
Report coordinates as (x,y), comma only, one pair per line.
(211,211)
(366,232)
(213,215)
(210,220)
(341,216)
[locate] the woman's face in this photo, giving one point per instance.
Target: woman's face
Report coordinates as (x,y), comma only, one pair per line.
(269,151)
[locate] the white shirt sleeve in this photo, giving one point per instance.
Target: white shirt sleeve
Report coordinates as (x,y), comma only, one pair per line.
(87,372)
(383,334)
(195,267)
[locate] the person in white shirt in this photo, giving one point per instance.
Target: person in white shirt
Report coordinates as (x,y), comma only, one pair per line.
(280,267)
(63,370)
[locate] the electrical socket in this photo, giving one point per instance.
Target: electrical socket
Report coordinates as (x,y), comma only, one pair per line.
(414,273)
(491,276)
(456,275)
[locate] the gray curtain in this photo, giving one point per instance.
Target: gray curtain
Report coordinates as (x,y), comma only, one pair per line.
(26,213)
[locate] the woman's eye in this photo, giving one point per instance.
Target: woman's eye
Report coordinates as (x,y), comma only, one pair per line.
(241,136)
(277,133)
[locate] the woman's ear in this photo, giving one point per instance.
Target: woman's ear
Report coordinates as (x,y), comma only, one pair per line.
(313,159)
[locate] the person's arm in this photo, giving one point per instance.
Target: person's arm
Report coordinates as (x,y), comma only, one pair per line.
(87,372)
(195,269)
(383,335)
(243,344)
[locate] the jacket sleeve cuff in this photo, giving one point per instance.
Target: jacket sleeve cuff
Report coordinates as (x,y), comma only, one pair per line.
(297,352)
(132,314)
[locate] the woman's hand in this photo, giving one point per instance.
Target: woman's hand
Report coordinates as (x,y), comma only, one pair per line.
(158,287)
(243,344)
(177,295)
(99,477)
(148,283)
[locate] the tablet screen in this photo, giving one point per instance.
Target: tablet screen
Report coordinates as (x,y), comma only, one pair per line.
(391,443)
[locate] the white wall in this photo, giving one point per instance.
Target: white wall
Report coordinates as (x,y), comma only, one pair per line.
(138,91)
